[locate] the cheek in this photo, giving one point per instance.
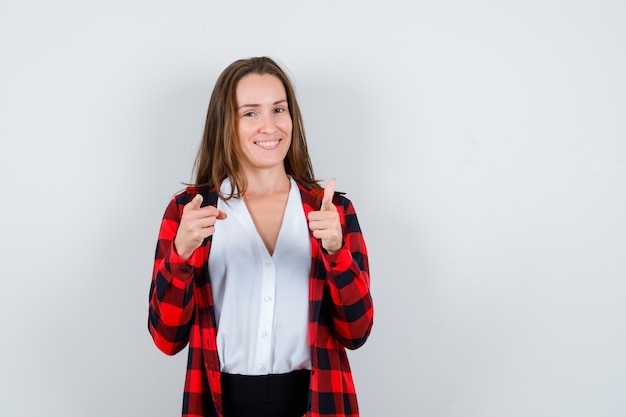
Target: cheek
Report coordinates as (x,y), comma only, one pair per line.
(244,128)
(286,125)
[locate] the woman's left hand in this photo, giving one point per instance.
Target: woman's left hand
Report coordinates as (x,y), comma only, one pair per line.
(325,223)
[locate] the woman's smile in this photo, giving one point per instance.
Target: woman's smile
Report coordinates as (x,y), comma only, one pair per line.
(268,144)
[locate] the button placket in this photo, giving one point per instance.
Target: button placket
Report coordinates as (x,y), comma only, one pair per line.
(266,315)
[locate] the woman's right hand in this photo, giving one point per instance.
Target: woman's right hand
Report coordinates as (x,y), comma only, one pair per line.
(196,224)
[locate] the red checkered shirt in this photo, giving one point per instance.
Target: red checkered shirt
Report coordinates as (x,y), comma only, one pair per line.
(181,311)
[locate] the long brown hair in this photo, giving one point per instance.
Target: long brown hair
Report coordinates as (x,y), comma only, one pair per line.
(218,154)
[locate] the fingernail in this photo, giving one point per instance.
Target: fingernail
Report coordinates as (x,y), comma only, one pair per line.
(197,197)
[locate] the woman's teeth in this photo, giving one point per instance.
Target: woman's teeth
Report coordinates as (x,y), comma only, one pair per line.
(268,144)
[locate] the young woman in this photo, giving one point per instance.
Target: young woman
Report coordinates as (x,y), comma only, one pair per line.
(260,271)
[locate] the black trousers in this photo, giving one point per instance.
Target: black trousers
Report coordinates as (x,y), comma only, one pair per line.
(280,395)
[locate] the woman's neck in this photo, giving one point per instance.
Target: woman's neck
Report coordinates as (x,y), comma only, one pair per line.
(267,181)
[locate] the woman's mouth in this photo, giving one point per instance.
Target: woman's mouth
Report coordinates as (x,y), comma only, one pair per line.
(270,144)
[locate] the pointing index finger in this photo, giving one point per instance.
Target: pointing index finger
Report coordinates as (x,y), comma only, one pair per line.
(329,191)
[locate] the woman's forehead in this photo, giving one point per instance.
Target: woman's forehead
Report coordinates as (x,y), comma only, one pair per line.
(255,89)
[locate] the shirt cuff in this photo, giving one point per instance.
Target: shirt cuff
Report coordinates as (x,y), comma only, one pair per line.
(337,262)
(180,268)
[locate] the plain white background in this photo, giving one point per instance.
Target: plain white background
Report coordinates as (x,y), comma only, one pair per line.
(483,144)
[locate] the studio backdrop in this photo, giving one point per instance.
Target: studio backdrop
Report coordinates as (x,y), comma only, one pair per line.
(483,144)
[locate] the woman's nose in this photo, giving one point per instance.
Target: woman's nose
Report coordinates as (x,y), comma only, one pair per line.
(267,125)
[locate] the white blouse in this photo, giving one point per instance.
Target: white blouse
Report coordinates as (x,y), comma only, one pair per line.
(261,301)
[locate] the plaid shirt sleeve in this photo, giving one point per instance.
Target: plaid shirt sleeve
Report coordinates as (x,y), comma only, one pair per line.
(347,274)
(171,305)
(181,310)
(341,312)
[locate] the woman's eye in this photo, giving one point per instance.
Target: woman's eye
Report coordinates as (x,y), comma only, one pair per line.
(249,114)
(279,110)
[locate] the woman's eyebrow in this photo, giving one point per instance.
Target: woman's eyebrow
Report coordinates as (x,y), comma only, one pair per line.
(258,105)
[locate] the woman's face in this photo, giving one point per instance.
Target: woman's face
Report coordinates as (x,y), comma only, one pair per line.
(263,121)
